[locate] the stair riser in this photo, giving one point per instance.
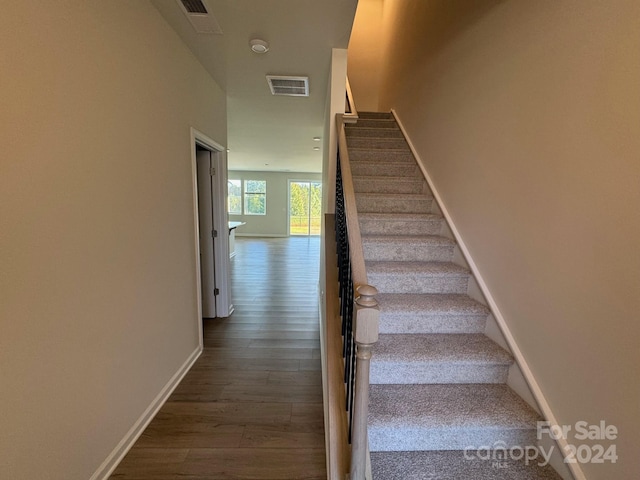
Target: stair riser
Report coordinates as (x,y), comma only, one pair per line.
(368,185)
(414,438)
(373,143)
(392,205)
(398,323)
(395,373)
(384,170)
(376,155)
(407,252)
(376,123)
(393,227)
(416,283)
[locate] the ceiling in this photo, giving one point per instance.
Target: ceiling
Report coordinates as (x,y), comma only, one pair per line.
(266,132)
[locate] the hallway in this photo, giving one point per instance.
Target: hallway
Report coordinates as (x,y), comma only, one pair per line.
(251,406)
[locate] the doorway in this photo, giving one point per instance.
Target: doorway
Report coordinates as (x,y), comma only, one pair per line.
(207,232)
(209,176)
(305,207)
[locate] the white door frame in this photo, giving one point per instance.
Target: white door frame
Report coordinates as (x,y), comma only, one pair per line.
(220,223)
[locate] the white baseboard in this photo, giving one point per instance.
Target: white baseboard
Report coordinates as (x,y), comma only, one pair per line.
(576,471)
(115,457)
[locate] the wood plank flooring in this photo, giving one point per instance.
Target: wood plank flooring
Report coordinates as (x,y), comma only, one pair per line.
(251,406)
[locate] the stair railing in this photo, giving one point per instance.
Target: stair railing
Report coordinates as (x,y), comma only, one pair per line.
(358,310)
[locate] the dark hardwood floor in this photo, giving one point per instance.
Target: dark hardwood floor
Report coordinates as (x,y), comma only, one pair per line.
(251,406)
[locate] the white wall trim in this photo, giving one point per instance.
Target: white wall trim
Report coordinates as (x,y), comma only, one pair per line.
(515,349)
(115,457)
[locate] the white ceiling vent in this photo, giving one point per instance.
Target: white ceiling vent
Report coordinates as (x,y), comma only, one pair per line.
(290,86)
(198,14)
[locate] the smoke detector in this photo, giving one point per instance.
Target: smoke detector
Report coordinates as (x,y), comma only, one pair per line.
(288,86)
(259,46)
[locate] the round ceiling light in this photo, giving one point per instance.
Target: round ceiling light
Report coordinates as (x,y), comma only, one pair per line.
(259,46)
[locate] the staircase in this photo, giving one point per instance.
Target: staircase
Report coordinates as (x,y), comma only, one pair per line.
(438,384)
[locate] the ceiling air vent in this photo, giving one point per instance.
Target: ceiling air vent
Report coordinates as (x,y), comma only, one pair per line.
(194,6)
(290,86)
(198,14)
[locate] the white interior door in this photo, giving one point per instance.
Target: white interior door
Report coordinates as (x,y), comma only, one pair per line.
(207,232)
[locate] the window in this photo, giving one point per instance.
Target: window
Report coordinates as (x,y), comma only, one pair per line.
(255,197)
(234,198)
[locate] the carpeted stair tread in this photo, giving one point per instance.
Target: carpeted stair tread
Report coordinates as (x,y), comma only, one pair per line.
(440,304)
(389,178)
(385,170)
(427,268)
(396,223)
(377,143)
(415,197)
(376,115)
(407,217)
(393,203)
(411,239)
(363,132)
(430,313)
(438,358)
(408,248)
(398,185)
(448,417)
(454,465)
(374,123)
(400,155)
(417,277)
(441,348)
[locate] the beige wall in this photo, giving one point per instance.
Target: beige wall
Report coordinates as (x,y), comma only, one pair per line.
(364,65)
(527,116)
(97,275)
(275,222)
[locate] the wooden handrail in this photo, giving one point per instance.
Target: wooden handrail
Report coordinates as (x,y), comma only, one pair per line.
(359,309)
(359,272)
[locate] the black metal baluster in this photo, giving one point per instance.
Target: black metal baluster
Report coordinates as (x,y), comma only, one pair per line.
(346,293)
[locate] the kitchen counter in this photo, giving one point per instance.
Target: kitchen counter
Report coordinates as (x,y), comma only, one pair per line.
(232,237)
